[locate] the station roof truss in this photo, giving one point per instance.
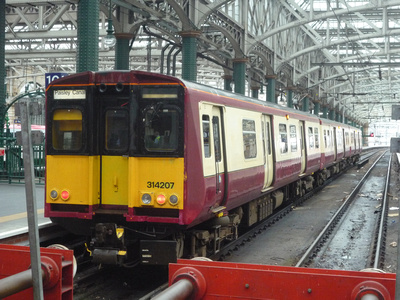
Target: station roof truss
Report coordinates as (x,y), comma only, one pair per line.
(344,54)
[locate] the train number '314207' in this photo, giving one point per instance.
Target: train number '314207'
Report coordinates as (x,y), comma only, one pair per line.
(160,185)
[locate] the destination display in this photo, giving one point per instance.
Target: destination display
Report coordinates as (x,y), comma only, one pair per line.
(69,94)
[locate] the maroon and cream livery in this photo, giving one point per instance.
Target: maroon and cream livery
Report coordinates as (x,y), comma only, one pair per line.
(174,165)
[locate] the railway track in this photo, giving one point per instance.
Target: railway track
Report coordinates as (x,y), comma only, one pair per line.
(357,229)
(288,241)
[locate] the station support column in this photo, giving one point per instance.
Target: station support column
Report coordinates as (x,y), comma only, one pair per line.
(325,111)
(271,79)
(189,54)
(88,36)
(317,106)
(239,74)
(290,97)
(227,82)
(332,114)
(254,91)
(2,68)
(306,104)
(122,51)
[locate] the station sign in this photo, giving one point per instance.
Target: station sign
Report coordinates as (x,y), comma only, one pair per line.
(50,77)
(2,151)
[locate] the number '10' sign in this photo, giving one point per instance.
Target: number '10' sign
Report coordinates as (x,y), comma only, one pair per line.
(53,76)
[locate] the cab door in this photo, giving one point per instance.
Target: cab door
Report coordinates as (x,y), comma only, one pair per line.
(114,151)
(214,148)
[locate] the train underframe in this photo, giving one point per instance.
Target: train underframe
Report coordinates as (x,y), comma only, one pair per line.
(110,243)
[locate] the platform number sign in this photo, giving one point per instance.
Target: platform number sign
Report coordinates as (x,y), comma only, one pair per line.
(50,77)
(2,151)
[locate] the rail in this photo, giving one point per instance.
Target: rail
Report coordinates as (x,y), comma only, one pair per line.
(335,219)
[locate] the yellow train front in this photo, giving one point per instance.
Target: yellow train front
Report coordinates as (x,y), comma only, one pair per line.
(114,162)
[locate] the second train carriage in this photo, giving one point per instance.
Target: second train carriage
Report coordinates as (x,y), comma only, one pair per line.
(149,164)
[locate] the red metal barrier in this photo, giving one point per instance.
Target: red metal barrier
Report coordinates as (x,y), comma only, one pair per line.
(221,280)
(57,272)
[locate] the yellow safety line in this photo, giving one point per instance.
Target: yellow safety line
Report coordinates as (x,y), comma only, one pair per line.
(18,216)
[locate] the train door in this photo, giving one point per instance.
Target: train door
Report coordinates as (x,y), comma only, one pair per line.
(335,148)
(114,124)
(268,159)
(303,147)
(214,166)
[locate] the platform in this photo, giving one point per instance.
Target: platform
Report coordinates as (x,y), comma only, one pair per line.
(13,215)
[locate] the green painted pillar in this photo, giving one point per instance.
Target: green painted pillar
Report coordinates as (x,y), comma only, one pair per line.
(306,104)
(317,106)
(290,98)
(254,91)
(239,75)
(337,116)
(325,110)
(332,114)
(2,68)
(271,79)
(122,51)
(227,82)
(88,36)
(189,54)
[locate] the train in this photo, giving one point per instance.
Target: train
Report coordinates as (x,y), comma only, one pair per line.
(151,168)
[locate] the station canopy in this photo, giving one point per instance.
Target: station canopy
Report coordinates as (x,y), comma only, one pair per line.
(343,55)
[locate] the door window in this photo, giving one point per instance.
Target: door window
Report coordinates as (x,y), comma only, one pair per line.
(217,140)
(117,133)
(206,136)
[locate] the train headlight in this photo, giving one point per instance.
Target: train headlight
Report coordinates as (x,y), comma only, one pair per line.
(65,195)
(53,194)
(173,199)
(146,199)
(161,199)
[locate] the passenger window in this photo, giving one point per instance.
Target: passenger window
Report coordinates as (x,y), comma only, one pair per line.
(311,137)
(67,129)
(325,139)
(316,137)
(249,138)
(293,138)
(161,129)
(283,137)
(117,135)
(206,135)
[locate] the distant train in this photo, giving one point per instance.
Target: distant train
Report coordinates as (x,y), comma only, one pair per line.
(151,167)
